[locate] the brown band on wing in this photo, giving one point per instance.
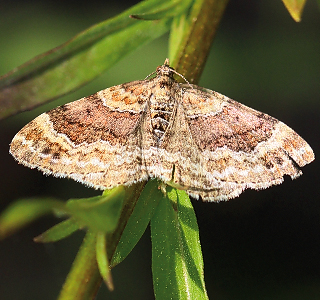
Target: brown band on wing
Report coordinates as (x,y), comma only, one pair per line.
(236,129)
(88,120)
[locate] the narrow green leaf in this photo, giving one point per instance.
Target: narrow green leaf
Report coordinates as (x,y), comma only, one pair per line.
(102,260)
(81,41)
(165,247)
(295,8)
(24,211)
(177,265)
(82,58)
(99,213)
(191,260)
(167,9)
(138,221)
(58,232)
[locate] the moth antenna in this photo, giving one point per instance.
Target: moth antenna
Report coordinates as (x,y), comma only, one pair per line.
(150,75)
(177,73)
(167,63)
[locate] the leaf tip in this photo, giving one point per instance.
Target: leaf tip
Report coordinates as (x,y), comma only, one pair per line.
(109,282)
(295,8)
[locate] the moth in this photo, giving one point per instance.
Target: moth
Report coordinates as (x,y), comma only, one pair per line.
(186,136)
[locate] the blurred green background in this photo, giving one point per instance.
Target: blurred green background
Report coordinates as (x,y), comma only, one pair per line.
(262,245)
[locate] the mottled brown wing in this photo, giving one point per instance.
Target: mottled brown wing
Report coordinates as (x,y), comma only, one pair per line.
(95,140)
(240,147)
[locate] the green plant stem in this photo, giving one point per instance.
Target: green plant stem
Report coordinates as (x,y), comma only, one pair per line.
(84,280)
(133,193)
(199,29)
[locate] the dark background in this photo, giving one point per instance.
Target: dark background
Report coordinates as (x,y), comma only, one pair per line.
(262,245)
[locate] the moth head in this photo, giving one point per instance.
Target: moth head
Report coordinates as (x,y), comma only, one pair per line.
(165,69)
